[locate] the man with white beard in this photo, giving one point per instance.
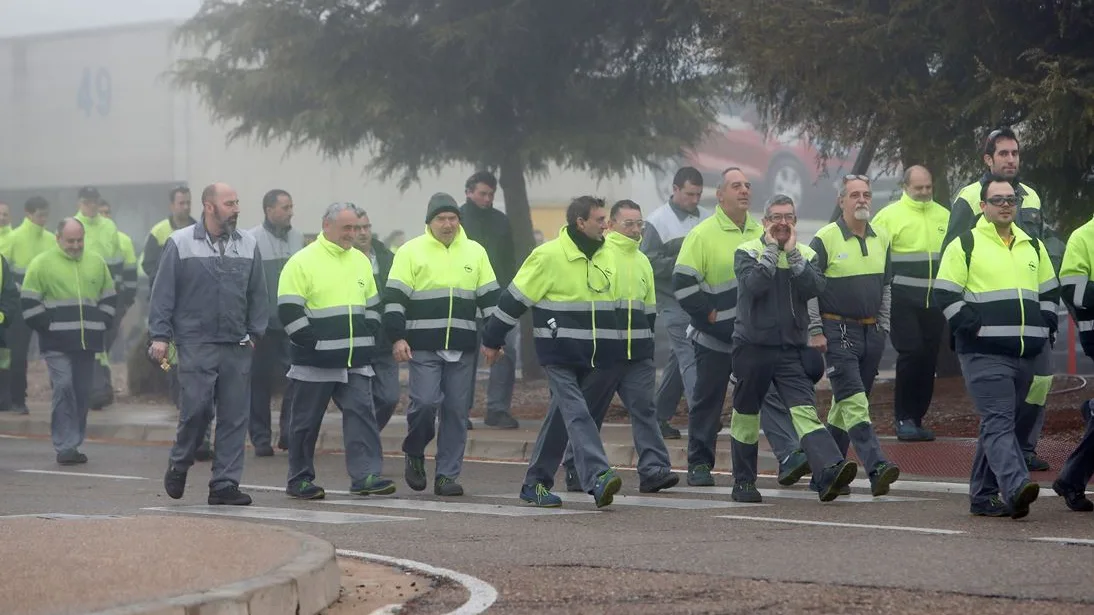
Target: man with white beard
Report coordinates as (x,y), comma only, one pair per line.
(848,322)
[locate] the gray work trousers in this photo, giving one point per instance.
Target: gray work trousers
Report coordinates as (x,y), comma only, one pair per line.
(1030,417)
(439,387)
(18,337)
(714,371)
(214,381)
(271,361)
(633,381)
(1079,468)
(503,374)
(758,368)
(997,384)
(568,419)
(70,379)
(386,388)
(853,357)
(678,377)
(360,434)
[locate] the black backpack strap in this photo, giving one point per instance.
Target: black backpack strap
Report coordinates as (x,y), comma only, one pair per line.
(966,245)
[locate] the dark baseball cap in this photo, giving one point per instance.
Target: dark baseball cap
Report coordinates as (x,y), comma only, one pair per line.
(91,193)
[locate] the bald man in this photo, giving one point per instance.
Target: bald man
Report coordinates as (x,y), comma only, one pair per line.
(917,226)
(210,299)
(68,298)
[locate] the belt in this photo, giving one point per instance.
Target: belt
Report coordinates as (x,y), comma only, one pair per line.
(861,321)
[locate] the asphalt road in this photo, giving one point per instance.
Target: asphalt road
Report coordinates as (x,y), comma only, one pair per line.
(687,551)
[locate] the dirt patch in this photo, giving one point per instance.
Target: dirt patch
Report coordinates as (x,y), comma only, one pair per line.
(368,587)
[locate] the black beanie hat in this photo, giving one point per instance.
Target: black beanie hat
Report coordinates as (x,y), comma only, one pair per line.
(440,203)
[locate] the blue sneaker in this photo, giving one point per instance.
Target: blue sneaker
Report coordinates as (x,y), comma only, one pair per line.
(607,485)
(539,495)
(793,468)
(373,485)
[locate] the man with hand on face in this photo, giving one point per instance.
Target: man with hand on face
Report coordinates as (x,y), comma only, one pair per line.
(916,225)
(706,288)
(997,287)
(632,378)
(68,298)
(848,323)
(567,282)
(777,277)
(437,283)
(386,387)
(210,300)
(327,299)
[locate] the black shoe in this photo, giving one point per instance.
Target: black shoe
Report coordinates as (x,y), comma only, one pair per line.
(306,490)
(793,468)
(414,472)
(700,476)
(501,420)
(1036,464)
(229,496)
(668,432)
(745,491)
(283,443)
(994,507)
(174,483)
(908,431)
(446,487)
(1023,497)
(204,452)
(666,479)
(834,478)
(884,474)
(573,483)
(264,451)
(71,457)
(1075,499)
(816,488)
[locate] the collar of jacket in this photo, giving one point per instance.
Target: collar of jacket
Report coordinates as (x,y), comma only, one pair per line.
(280,232)
(171,223)
(459,238)
(987,227)
(332,248)
(66,256)
(200,232)
(621,242)
(86,221)
(909,202)
(681,213)
(570,249)
(471,209)
(728,224)
(31,226)
(846,230)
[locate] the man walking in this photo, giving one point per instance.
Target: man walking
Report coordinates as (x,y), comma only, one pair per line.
(68,298)
(777,277)
(27,241)
(916,225)
(490,228)
(848,322)
(328,301)
(125,283)
(10,311)
(661,240)
(386,387)
(179,217)
(277,241)
(999,292)
(437,283)
(567,284)
(706,288)
(210,300)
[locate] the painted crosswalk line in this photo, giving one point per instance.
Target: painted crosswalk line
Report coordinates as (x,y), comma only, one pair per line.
(861,526)
(1063,540)
(456,507)
(795,494)
(644,501)
(280,514)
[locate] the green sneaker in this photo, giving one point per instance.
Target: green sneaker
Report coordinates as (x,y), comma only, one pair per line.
(607,485)
(415,472)
(306,490)
(446,486)
(373,485)
(700,476)
(793,468)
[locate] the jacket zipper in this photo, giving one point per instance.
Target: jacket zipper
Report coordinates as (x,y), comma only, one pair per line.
(930,258)
(80,305)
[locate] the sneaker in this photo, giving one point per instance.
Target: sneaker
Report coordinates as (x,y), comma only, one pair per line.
(994,507)
(540,496)
(1023,497)
(1075,499)
(1036,464)
(793,468)
(925,435)
(71,457)
(700,476)
(373,485)
(665,479)
(448,487)
(501,420)
(174,483)
(884,474)
(264,451)
(414,472)
(745,491)
(815,488)
(908,431)
(229,496)
(204,452)
(306,490)
(573,483)
(834,478)
(607,485)
(668,432)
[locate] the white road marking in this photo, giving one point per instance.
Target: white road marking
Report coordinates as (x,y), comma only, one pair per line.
(797,494)
(63,517)
(282,489)
(280,514)
(865,526)
(482,594)
(457,507)
(1066,541)
(11,437)
(84,474)
(645,501)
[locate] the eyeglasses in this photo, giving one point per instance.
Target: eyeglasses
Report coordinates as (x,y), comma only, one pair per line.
(599,283)
(999,200)
(781,217)
(851,178)
(640,224)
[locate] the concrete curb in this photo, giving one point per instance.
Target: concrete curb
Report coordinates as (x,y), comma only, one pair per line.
(304,586)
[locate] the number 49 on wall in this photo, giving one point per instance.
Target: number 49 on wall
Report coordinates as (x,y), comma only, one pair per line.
(94,94)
